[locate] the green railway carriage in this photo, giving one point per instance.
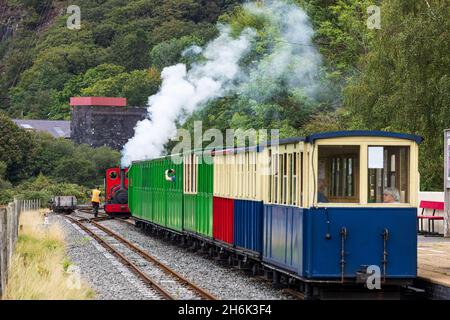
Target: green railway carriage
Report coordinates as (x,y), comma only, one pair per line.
(184,203)
(198,194)
(155,196)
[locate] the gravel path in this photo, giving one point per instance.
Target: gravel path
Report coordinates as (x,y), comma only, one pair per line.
(224,283)
(106,276)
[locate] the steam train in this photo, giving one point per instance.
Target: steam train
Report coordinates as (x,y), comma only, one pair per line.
(308,210)
(116,191)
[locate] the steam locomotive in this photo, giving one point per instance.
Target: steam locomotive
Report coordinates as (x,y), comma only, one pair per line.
(116,189)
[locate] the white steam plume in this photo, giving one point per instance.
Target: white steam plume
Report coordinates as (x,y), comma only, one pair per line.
(183,91)
(293,63)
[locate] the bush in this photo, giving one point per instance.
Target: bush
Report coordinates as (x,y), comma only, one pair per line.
(75,170)
(6,196)
(16,150)
(43,188)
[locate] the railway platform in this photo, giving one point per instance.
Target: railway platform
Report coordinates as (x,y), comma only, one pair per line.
(433,266)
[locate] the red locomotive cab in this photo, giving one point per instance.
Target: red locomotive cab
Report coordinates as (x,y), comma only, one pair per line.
(116,189)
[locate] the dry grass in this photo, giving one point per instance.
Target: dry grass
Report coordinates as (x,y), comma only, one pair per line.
(38,269)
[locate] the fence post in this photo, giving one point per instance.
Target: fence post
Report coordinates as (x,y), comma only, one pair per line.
(13,232)
(3,250)
(9,234)
(18,205)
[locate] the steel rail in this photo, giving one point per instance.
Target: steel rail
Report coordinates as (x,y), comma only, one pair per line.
(201,292)
(125,261)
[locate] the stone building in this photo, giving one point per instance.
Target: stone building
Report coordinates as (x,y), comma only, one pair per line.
(100,121)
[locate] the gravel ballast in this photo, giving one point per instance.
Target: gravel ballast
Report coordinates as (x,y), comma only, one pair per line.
(112,281)
(103,273)
(223,282)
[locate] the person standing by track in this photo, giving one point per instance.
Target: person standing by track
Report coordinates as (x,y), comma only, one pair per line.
(95,200)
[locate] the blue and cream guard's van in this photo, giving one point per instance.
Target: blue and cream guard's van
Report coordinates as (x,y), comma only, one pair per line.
(336,203)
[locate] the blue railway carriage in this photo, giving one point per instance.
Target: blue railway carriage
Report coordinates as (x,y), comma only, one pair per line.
(337,203)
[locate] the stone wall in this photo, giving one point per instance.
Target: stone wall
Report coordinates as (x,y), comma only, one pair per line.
(104,125)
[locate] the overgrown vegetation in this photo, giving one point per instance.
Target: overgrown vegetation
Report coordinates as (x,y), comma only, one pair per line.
(395,78)
(45,62)
(38,166)
(39,266)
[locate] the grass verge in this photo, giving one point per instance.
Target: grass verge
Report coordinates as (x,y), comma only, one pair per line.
(39,270)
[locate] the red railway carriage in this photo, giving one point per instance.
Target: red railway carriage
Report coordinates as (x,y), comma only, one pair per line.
(116,188)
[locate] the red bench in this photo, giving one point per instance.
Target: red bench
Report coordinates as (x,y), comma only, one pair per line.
(435,206)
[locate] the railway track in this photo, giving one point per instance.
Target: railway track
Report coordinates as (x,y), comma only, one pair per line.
(166,283)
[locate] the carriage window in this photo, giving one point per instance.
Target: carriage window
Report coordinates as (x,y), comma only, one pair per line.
(275,178)
(293,179)
(388,169)
(338,174)
(283,171)
(285,183)
(190,173)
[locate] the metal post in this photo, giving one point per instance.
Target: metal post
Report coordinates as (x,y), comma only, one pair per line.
(447,182)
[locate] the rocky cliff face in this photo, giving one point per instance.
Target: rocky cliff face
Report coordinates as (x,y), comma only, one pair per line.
(10,19)
(32,16)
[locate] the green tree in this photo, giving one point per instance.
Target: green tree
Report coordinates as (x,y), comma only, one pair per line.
(136,86)
(50,71)
(168,53)
(341,33)
(44,188)
(52,155)
(405,84)
(60,108)
(130,50)
(103,158)
(49,152)
(76,170)
(4,184)
(16,149)
(38,64)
